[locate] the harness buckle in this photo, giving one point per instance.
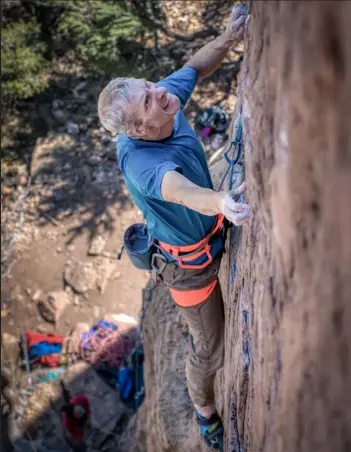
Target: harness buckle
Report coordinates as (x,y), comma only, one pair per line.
(206,250)
(157,271)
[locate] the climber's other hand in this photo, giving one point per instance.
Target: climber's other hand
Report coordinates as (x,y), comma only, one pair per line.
(236,23)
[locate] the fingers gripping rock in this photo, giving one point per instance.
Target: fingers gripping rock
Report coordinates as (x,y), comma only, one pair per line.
(237,22)
(236,212)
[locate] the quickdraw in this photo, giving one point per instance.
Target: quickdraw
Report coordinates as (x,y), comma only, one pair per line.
(237,145)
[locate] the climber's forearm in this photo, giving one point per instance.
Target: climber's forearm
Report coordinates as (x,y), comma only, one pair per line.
(209,58)
(176,188)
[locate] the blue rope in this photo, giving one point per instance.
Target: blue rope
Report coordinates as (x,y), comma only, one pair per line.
(238,144)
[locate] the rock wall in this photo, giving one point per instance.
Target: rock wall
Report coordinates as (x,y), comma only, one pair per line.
(286,278)
(287,378)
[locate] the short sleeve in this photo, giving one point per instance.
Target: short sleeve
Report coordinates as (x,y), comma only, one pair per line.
(181,83)
(147,175)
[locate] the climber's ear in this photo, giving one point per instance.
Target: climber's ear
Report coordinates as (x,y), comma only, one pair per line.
(137,131)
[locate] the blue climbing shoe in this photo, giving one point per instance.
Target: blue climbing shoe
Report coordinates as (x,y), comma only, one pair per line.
(211,430)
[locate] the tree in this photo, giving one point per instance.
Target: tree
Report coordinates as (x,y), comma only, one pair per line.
(94,27)
(34,33)
(23,63)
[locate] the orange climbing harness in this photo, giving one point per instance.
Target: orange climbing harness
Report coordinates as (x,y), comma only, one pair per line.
(189,253)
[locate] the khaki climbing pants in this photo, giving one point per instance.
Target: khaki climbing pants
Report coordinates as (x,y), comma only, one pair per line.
(206,329)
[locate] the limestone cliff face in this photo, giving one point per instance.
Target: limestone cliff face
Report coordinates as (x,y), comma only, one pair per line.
(286,279)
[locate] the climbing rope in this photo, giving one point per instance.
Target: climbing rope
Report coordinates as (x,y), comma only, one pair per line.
(236,145)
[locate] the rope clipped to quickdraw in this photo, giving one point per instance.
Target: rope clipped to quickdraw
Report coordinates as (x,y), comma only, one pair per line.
(237,145)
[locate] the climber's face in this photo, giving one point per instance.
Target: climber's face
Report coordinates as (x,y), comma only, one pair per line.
(153,109)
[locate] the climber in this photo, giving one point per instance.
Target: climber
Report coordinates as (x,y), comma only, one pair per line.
(166,173)
(75,416)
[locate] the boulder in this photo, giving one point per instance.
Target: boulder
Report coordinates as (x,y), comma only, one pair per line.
(80,276)
(53,307)
(97,245)
(72,128)
(60,116)
(104,271)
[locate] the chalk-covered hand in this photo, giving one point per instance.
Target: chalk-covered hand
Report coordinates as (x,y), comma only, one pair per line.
(236,212)
(236,23)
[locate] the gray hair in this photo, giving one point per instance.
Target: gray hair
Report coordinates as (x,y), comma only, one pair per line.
(111,105)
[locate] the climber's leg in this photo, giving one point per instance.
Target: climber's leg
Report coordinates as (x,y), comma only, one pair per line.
(206,329)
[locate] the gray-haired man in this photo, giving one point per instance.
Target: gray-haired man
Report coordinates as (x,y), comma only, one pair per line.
(166,173)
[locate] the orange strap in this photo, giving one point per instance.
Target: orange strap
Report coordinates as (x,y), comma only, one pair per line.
(188,298)
(205,248)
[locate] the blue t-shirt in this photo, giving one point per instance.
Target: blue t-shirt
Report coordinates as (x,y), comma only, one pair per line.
(144,163)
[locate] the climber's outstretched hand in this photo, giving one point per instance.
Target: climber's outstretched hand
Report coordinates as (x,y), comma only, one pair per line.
(236,23)
(236,212)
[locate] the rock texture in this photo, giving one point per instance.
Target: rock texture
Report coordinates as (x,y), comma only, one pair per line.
(286,380)
(286,279)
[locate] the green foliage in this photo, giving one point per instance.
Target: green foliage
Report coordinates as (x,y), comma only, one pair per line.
(37,31)
(94,26)
(22,61)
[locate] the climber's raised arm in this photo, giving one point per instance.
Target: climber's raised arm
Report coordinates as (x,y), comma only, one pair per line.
(210,57)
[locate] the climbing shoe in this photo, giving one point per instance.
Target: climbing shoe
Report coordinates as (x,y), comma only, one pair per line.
(211,430)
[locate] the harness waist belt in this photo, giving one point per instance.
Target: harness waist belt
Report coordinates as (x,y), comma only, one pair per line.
(188,253)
